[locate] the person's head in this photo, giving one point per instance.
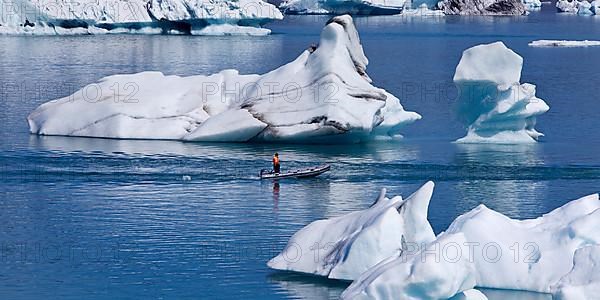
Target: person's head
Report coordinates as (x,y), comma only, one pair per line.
(276,154)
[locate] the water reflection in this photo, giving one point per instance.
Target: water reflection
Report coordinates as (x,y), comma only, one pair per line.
(510,193)
(300,286)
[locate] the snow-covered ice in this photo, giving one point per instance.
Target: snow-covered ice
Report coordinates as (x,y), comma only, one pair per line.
(563,43)
(44,17)
(555,253)
(344,247)
(420,275)
(356,7)
(583,282)
(325,95)
(494,106)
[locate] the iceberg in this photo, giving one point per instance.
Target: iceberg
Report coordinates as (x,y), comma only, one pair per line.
(577,7)
(324,96)
(423,11)
(555,253)
(44,17)
(344,247)
(355,7)
(532,4)
(563,43)
(482,7)
(494,106)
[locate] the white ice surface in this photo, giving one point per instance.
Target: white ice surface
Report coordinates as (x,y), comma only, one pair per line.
(419,275)
(555,253)
(563,43)
(494,106)
(577,7)
(583,282)
(131,16)
(325,96)
(365,7)
(344,247)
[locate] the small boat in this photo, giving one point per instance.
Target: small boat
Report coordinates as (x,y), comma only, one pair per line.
(299,173)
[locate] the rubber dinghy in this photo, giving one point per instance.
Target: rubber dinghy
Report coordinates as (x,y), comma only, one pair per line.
(298,173)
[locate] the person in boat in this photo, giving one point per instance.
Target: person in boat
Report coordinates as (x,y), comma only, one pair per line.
(276,165)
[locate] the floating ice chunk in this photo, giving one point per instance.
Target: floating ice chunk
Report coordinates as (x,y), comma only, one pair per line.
(574,7)
(437,271)
(492,103)
(532,4)
(325,95)
(356,7)
(423,11)
(43,17)
(495,251)
(583,282)
(563,43)
(228,29)
(344,247)
(584,8)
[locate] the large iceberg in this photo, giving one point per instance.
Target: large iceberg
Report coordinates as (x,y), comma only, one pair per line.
(325,96)
(492,103)
(137,16)
(355,7)
(346,246)
(556,253)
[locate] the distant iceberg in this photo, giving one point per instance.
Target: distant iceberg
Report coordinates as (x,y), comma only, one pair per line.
(556,253)
(532,4)
(563,43)
(582,7)
(324,96)
(346,246)
(492,103)
(355,7)
(44,17)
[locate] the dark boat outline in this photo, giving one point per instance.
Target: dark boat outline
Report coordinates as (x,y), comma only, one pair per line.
(298,173)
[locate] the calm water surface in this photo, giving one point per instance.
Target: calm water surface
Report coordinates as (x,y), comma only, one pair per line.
(114,219)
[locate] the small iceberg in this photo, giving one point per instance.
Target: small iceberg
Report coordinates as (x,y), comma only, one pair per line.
(324,96)
(242,17)
(582,7)
(563,43)
(346,246)
(494,106)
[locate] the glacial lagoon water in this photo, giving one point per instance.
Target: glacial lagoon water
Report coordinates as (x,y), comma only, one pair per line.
(115,219)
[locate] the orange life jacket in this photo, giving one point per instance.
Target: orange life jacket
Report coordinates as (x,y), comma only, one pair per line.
(275,161)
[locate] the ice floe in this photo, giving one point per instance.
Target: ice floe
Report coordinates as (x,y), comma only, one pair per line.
(494,106)
(45,17)
(355,7)
(325,96)
(563,43)
(344,247)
